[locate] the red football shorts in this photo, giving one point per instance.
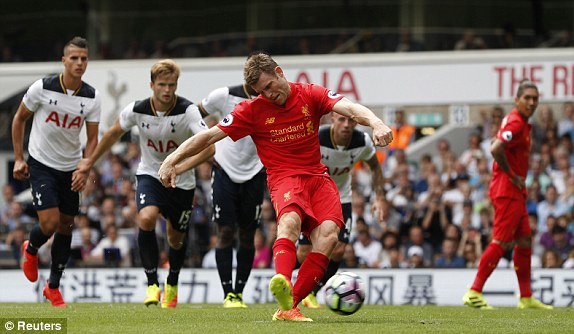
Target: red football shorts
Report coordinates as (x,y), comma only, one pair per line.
(510,219)
(314,198)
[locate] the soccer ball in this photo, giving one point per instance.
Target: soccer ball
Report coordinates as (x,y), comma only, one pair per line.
(344,293)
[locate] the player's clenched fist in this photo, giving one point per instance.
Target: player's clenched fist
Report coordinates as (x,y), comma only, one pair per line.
(382,134)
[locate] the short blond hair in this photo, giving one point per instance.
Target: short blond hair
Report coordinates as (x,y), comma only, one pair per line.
(255,65)
(164,67)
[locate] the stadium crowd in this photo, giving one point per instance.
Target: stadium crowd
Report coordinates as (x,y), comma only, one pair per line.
(438,213)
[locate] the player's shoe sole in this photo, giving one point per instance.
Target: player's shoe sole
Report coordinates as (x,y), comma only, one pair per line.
(281,288)
(293,314)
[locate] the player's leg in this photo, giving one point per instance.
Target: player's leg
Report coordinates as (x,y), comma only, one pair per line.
(178,214)
(251,201)
(60,253)
(336,257)
(225,198)
(505,222)
(522,265)
(148,210)
(45,202)
(177,241)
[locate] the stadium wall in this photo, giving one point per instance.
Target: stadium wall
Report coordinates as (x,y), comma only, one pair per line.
(383,287)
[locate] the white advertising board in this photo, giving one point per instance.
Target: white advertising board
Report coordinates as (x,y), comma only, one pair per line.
(384,287)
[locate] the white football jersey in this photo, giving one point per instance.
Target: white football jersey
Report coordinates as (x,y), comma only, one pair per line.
(340,160)
(59,115)
(238,159)
(161,135)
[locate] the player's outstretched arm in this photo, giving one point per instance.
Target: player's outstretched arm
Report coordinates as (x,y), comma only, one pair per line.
(111,136)
(195,160)
(192,146)
(382,134)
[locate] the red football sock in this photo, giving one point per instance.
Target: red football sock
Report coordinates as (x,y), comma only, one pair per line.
(285,257)
(522,258)
(310,274)
(488,262)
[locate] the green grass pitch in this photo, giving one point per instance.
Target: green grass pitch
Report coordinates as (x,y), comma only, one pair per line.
(213,319)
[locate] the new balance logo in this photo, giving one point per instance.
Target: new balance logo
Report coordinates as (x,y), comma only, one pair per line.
(270,120)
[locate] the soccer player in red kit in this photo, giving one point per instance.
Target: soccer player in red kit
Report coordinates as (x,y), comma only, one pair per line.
(283,123)
(511,150)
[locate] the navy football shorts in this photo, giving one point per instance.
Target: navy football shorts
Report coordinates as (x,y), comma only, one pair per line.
(174,204)
(237,204)
(52,188)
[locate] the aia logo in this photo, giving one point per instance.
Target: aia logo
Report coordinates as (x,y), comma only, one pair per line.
(161,146)
(64,121)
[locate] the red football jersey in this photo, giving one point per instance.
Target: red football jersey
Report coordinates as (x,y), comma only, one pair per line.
(286,136)
(515,133)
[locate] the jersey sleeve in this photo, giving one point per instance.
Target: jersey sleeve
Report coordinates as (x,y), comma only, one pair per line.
(325,98)
(95,112)
(128,117)
(33,97)
(238,123)
(196,122)
(369,150)
(510,129)
(215,101)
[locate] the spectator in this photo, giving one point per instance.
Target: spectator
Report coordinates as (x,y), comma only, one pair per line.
(262,257)
(113,249)
(403,133)
(471,252)
(415,257)
(350,260)
(551,259)
(416,238)
(566,123)
(8,198)
(551,205)
(367,249)
(449,257)
(407,43)
(389,242)
(469,41)
(569,263)
(470,157)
